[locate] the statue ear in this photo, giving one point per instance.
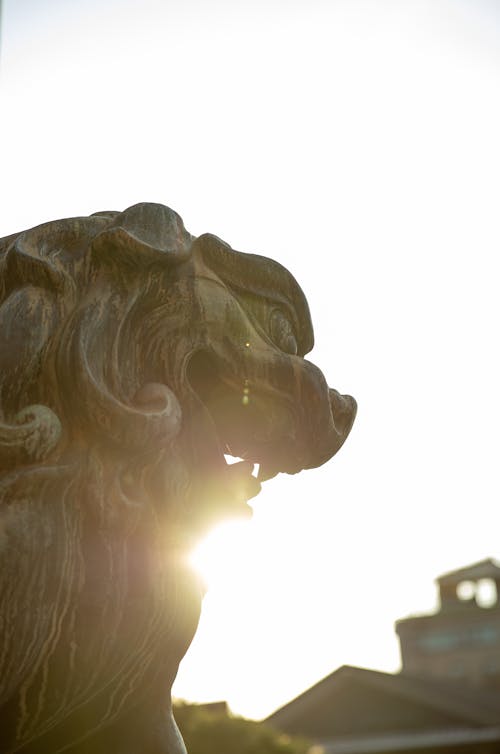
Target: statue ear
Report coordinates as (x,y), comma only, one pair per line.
(144,234)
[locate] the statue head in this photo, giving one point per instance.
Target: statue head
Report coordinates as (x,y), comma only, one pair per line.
(133,358)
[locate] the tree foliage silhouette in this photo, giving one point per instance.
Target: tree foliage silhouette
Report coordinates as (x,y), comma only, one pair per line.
(208,732)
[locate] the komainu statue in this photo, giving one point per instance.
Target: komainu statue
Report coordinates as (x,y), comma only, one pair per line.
(133,357)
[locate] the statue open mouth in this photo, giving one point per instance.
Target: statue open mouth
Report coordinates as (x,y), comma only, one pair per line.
(227,420)
(283,419)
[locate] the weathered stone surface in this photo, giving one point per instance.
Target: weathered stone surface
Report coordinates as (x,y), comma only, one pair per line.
(132,357)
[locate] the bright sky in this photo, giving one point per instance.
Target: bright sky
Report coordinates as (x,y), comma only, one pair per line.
(357,142)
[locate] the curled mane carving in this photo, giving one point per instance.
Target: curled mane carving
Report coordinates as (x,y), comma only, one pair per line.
(87,419)
(74,297)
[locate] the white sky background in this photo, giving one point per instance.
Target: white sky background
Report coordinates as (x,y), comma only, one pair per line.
(357,143)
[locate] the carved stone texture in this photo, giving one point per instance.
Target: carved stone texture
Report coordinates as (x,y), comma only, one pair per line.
(133,356)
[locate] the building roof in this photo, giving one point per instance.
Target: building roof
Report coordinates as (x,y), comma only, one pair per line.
(484,569)
(356,704)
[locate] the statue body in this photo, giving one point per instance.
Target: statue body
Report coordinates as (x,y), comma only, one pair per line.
(132,358)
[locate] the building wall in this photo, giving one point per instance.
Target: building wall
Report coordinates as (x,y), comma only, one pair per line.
(462,643)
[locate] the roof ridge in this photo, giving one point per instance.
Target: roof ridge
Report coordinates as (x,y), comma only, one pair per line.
(474,706)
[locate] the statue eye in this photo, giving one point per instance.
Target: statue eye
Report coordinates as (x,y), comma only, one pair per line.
(281,332)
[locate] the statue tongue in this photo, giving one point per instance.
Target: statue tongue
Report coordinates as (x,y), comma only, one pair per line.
(240,480)
(228,492)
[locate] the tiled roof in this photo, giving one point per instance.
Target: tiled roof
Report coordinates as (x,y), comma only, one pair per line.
(458,701)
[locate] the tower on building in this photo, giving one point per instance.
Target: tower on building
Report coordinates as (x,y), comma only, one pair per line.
(462,639)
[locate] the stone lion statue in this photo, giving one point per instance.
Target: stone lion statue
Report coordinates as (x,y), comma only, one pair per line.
(133,357)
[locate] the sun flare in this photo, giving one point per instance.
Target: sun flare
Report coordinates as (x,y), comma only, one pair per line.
(222,555)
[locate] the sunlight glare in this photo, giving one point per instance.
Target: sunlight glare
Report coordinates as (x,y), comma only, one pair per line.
(221,557)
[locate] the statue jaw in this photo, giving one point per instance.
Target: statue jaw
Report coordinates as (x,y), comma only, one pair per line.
(276,411)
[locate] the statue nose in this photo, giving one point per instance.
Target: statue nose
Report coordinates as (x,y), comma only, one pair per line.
(343,409)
